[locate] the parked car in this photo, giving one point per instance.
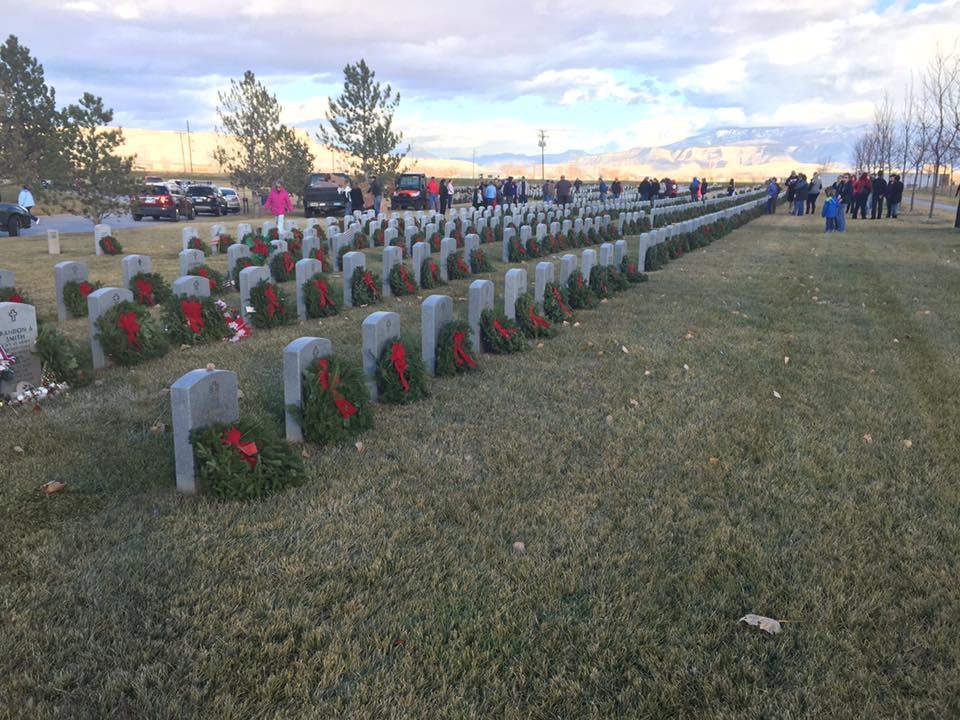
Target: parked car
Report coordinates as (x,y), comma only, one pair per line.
(207,199)
(13,218)
(153,179)
(323,195)
(161,200)
(232,199)
(410,192)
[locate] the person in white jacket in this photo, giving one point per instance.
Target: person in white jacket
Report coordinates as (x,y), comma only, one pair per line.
(25,200)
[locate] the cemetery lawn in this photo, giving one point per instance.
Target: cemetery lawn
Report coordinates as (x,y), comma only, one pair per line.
(655,510)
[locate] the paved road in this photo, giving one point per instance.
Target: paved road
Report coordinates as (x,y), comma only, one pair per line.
(76,224)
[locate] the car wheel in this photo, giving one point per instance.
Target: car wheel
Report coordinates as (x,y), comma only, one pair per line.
(176,215)
(13,227)
(192,214)
(137,218)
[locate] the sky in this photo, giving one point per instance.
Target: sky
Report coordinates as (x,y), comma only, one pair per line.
(597,75)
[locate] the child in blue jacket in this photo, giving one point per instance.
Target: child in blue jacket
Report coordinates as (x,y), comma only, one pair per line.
(831,208)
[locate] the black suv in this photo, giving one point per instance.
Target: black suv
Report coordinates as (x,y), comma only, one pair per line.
(161,200)
(323,195)
(207,199)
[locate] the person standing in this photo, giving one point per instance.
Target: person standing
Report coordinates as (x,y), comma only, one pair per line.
(861,191)
(377,191)
(25,200)
(731,188)
(563,190)
(616,188)
(509,191)
(844,190)
(879,190)
(603,189)
(703,188)
(548,192)
(433,194)
(451,191)
(813,192)
(800,195)
(894,196)
(278,204)
(773,190)
(576,185)
(348,198)
(356,197)
(831,211)
(478,196)
(490,194)
(522,190)
(443,197)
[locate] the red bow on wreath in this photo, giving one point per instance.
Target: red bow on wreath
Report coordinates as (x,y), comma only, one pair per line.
(461,356)
(128,323)
(462,266)
(406,280)
(260,248)
(505,333)
(368,281)
(15,298)
(536,320)
(287,263)
(247,450)
(272,303)
(193,314)
(346,408)
(398,357)
(559,298)
(202,271)
(85,288)
(325,299)
(144,291)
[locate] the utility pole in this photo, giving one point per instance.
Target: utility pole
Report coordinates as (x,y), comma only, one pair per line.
(543,145)
(189,146)
(182,158)
(474,163)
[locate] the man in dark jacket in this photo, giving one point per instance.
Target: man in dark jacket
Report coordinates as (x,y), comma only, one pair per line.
(894,196)
(563,191)
(879,191)
(377,191)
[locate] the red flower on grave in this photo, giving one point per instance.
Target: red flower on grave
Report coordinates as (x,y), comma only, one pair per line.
(14,298)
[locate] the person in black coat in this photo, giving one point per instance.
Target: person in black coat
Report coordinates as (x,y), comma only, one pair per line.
(879,191)
(356,197)
(894,196)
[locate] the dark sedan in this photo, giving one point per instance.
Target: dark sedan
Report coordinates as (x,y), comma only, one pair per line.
(207,199)
(13,218)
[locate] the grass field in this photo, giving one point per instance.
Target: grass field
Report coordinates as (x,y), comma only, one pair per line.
(656,509)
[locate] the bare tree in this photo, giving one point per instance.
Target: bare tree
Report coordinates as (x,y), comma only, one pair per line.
(883,133)
(905,127)
(920,146)
(941,86)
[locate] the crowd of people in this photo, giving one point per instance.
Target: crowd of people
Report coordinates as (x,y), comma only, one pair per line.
(850,195)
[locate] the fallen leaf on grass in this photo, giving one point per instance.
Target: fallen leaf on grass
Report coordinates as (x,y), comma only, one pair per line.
(868,439)
(609,419)
(624,349)
(576,324)
(647,373)
(210,366)
(634,402)
(600,353)
(54,486)
(714,461)
(786,359)
(604,301)
(539,345)
(519,548)
(895,340)
(906,444)
(686,367)
(158,428)
(814,298)
(767,625)
(17,449)
(305,454)
(926,312)
(776,395)
(359,445)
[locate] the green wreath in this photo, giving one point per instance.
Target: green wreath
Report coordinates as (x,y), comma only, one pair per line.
(259,250)
(10,294)
(533,247)
(193,320)
(224,241)
(401,243)
(516,252)
(243,461)
(556,303)
(479,262)
(529,320)
(600,281)
(320,253)
(401,377)
(401,282)
(499,334)
(110,246)
(336,402)
(320,296)
(63,357)
(628,268)
(361,241)
(340,253)
(378,237)
(295,247)
(579,292)
(215,277)
(196,243)
(435,240)
(283,266)
(271,308)
(430,274)
(618,281)
(149,289)
(241,264)
(365,287)
(129,334)
(455,353)
(457,268)
(75,296)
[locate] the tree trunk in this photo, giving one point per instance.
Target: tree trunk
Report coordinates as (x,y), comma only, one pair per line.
(933,188)
(956,223)
(913,189)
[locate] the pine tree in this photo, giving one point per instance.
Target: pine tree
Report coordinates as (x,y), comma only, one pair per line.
(257,148)
(29,142)
(101,180)
(361,123)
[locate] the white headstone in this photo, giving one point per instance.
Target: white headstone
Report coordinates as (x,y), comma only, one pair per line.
(391,256)
(98,302)
(421,251)
(99,232)
(351,261)
(190,259)
(297,357)
(377,330)
(448,246)
(480,298)
(64,272)
(435,312)
(132,265)
(544,275)
(186,235)
(515,285)
(53,242)
(303,271)
(250,277)
(191,286)
(18,335)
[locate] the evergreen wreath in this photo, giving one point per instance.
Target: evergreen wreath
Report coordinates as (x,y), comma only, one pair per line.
(365,287)
(193,320)
(556,303)
(271,308)
(401,282)
(618,281)
(242,263)
(63,357)
(259,250)
(400,243)
(628,268)
(110,246)
(75,296)
(10,294)
(430,274)
(336,402)
(579,292)
(499,334)
(600,281)
(457,268)
(529,320)
(340,253)
(150,289)
(273,234)
(282,266)
(243,461)
(361,241)
(196,243)
(214,277)
(320,253)
(435,240)
(516,252)
(533,247)
(455,353)
(479,262)
(487,235)
(401,377)
(129,334)
(378,237)
(295,247)
(318,295)
(224,241)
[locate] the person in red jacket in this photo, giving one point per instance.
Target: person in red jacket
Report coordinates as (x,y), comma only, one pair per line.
(278,203)
(861,191)
(433,194)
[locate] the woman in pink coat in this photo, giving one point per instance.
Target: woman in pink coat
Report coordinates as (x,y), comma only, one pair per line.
(278,203)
